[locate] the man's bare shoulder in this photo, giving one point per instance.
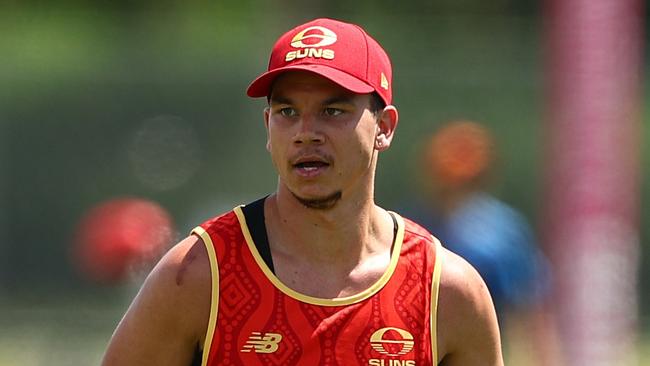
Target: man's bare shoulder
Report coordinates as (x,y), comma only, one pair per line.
(184,269)
(183,279)
(467,322)
(460,280)
(188,261)
(171,309)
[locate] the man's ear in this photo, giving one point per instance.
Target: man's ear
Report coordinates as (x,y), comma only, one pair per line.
(267,114)
(386,125)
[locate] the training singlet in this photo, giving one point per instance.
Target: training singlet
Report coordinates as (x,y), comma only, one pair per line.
(255,319)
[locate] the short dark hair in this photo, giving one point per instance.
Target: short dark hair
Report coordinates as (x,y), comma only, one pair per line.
(377,104)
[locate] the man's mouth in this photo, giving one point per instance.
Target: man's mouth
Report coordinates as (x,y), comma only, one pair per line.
(310,166)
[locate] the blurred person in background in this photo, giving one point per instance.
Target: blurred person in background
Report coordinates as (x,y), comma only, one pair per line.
(495,238)
(315,273)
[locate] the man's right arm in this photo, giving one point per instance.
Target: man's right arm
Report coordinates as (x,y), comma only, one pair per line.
(168,318)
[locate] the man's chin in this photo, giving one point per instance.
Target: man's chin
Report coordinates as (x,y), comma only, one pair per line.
(320,203)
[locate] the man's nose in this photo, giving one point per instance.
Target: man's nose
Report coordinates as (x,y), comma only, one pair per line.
(308,131)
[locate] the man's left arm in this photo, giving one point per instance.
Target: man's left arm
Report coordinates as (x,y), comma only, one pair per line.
(467,326)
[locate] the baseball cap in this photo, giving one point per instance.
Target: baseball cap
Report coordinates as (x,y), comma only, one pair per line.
(342,52)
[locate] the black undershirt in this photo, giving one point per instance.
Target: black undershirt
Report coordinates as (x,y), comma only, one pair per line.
(196,361)
(254,214)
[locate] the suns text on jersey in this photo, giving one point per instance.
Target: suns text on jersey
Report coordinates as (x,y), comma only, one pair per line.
(378,362)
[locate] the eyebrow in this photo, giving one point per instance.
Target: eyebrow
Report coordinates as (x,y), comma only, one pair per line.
(279,100)
(343,98)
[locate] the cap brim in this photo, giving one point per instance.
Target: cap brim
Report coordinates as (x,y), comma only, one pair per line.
(261,87)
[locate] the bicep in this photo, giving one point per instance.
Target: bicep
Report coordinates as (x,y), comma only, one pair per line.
(467,319)
(159,328)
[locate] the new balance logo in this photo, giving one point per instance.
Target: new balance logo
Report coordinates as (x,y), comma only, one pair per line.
(258,343)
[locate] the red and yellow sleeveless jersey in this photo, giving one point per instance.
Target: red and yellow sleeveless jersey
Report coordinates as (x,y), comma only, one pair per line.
(255,319)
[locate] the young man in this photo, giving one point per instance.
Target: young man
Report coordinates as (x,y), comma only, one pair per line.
(315,273)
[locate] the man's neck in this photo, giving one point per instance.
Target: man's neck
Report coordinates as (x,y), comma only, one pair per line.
(329,253)
(349,228)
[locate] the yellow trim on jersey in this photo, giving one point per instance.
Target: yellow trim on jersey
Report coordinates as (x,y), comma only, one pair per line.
(435,289)
(397,247)
(214,301)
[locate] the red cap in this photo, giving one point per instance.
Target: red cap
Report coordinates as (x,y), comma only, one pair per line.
(341,52)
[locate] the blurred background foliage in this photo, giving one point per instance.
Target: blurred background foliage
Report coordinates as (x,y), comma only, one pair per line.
(125,98)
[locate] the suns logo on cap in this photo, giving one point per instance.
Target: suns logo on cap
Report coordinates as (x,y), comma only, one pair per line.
(322,35)
(310,40)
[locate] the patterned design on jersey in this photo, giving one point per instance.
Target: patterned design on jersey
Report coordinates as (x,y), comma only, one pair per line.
(259,323)
(363,350)
(325,321)
(290,352)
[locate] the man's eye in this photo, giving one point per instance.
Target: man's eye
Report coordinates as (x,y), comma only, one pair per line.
(332,112)
(288,112)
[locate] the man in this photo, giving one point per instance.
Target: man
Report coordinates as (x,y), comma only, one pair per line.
(492,236)
(315,273)
(459,161)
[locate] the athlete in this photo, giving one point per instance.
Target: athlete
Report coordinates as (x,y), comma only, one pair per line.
(315,273)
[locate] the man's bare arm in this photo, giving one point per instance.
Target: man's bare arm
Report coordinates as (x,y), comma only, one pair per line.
(168,318)
(467,323)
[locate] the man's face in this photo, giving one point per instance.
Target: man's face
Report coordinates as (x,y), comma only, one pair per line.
(321,138)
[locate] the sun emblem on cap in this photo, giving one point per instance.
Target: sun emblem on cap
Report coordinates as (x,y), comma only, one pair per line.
(315,36)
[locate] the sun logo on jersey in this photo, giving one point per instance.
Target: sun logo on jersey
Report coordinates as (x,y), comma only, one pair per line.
(258,343)
(398,344)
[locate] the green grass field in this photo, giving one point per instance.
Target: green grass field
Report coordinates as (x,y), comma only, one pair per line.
(57,330)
